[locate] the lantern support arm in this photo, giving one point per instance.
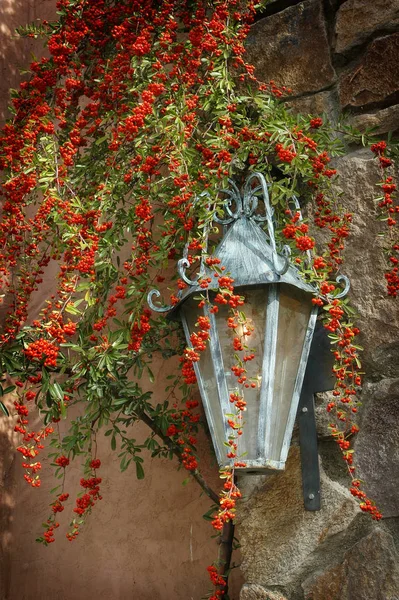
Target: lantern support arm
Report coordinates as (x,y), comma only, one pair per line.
(309,453)
(318,378)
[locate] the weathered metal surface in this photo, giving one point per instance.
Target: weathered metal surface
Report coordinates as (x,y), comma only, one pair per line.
(346,289)
(299,383)
(318,378)
(249,255)
(268,371)
(218,364)
(210,416)
(247,252)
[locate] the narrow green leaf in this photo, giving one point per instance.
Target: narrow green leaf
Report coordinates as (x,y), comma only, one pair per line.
(139,471)
(4,408)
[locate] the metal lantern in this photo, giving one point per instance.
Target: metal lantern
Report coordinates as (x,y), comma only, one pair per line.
(279,309)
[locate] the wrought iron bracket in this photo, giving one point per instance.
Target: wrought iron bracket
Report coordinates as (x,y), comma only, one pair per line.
(318,378)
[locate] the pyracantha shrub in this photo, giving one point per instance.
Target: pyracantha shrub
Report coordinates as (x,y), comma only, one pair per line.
(140,108)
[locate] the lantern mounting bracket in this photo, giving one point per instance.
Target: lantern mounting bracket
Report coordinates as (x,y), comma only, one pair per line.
(318,378)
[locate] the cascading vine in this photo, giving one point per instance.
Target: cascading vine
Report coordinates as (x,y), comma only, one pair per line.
(143,106)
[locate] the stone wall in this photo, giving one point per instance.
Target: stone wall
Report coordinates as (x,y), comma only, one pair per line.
(338,57)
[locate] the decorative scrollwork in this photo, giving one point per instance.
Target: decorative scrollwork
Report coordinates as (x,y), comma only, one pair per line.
(237,206)
(182,265)
(297,206)
(346,289)
(160,309)
(234,196)
(251,198)
(286,252)
(247,205)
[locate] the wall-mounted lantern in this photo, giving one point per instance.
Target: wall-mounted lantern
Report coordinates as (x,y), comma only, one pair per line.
(278,304)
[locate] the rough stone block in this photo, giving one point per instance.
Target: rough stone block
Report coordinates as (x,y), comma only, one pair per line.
(377,444)
(358,19)
(257,592)
(364,261)
(375,79)
(291,47)
(381,121)
(386,356)
(316,104)
(370,571)
(278,537)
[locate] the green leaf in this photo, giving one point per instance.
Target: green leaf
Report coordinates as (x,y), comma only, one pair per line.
(63,409)
(209,515)
(7,390)
(120,402)
(150,374)
(4,408)
(72,310)
(56,391)
(139,471)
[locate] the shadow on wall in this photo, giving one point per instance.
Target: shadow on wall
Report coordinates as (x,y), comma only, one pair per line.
(7,502)
(17,53)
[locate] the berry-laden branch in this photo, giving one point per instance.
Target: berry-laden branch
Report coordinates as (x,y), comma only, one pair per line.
(389,209)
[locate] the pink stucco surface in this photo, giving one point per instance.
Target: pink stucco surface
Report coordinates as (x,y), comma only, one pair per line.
(146,540)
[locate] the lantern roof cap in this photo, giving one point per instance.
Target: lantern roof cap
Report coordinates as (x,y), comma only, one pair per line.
(247,253)
(247,257)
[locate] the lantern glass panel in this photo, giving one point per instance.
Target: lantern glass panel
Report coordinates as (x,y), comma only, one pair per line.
(207,381)
(293,318)
(255,312)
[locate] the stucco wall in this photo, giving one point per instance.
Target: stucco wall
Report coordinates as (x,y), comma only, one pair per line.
(146,539)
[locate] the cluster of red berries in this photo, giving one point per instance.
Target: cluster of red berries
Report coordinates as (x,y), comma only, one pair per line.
(62,461)
(316,123)
(389,211)
(297,232)
(43,350)
(228,496)
(379,149)
(346,370)
(32,441)
(139,330)
(184,425)
(87,501)
(191,355)
(285,155)
(217,581)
